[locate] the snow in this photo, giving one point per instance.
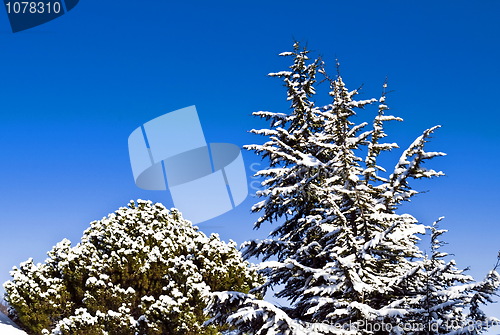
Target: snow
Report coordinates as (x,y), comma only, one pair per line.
(141,236)
(316,178)
(7,327)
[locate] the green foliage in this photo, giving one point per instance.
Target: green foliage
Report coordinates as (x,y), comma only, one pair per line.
(141,270)
(343,254)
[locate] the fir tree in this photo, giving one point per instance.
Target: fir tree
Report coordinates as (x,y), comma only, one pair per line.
(141,270)
(345,258)
(444,299)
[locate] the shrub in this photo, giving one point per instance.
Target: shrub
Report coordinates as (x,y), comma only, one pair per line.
(142,270)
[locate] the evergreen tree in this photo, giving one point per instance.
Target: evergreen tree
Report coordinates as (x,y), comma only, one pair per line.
(343,255)
(141,270)
(446,301)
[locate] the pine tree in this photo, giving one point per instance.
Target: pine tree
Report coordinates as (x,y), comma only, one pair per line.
(141,270)
(343,255)
(444,299)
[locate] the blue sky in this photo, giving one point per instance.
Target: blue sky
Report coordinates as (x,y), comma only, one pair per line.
(72,90)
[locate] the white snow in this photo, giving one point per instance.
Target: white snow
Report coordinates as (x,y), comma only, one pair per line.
(7,327)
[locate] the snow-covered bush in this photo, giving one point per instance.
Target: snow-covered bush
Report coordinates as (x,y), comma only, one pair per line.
(343,254)
(142,270)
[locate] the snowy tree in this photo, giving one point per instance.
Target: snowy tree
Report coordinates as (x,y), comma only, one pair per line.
(342,254)
(142,270)
(443,299)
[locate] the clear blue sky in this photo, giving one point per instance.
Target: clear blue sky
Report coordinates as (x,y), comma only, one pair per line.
(72,90)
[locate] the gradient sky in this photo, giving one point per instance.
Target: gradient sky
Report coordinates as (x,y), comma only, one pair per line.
(72,90)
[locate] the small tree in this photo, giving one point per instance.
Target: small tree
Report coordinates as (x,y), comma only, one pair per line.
(443,299)
(141,270)
(347,261)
